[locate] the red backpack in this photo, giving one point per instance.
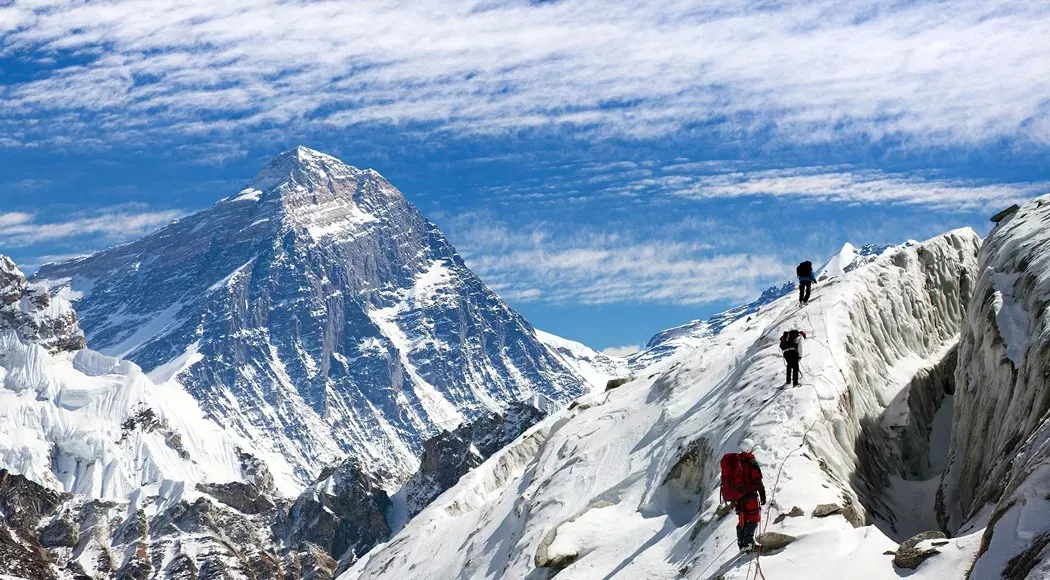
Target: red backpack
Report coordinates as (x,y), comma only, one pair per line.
(736,477)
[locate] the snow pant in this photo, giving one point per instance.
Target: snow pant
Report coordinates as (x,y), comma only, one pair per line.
(803,290)
(745,532)
(793,373)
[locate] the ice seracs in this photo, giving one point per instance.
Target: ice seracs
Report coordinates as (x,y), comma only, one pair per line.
(998,475)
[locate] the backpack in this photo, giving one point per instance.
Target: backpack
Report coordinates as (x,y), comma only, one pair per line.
(736,477)
(804,270)
(789,340)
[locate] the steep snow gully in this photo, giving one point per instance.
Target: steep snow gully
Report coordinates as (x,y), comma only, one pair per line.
(623,484)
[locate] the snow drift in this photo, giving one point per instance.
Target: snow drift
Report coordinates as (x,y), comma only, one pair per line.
(623,483)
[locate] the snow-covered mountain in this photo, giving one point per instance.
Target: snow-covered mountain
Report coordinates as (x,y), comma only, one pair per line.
(317,314)
(624,483)
(595,367)
(105,474)
(92,451)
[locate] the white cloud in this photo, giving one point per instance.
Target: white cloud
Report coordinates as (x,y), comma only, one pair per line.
(838,184)
(622,350)
(604,268)
(108,225)
(935,72)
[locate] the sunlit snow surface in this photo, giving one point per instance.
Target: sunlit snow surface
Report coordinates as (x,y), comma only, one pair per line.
(594,485)
(64,423)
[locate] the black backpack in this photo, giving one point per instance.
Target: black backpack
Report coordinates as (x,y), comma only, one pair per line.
(789,340)
(804,270)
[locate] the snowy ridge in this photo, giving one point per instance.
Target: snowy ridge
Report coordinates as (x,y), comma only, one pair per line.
(98,427)
(696,333)
(595,367)
(623,485)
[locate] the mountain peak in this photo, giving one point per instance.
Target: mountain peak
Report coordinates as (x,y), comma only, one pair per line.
(301,166)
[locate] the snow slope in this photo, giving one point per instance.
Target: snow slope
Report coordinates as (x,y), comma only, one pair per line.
(999,467)
(623,484)
(595,367)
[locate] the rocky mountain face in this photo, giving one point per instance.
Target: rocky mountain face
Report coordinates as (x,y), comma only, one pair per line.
(999,465)
(34,315)
(317,315)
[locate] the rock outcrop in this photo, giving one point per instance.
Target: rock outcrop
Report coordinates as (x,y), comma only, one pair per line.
(450,455)
(33,314)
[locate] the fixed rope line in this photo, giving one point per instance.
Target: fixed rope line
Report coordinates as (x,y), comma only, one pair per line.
(715,560)
(756,558)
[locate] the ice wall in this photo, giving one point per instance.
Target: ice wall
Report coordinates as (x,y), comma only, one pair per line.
(1001,436)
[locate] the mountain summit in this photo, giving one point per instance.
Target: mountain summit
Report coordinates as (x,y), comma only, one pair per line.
(316,314)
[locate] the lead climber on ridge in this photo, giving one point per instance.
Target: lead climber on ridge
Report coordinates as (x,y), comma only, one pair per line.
(791,347)
(742,486)
(806,280)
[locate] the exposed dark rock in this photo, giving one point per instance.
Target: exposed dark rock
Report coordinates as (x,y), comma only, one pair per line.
(23,504)
(450,455)
(60,533)
(909,556)
(24,308)
(145,420)
(343,514)
(773,540)
(795,512)
(616,383)
(826,509)
(244,497)
(854,516)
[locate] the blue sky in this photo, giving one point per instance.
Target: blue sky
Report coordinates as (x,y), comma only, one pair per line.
(610,169)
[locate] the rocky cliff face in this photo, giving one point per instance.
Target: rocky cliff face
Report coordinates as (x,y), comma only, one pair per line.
(1000,453)
(452,454)
(316,314)
(34,315)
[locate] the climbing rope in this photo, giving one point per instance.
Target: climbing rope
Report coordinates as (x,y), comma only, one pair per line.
(715,559)
(756,557)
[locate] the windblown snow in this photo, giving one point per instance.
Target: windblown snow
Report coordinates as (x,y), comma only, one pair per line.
(623,484)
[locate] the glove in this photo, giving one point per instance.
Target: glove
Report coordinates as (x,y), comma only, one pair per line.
(762,495)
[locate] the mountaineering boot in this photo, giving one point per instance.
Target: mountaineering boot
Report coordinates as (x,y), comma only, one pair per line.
(750,548)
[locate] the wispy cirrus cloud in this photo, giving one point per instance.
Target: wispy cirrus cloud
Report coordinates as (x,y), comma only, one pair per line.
(102,226)
(811,71)
(598,268)
(839,185)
